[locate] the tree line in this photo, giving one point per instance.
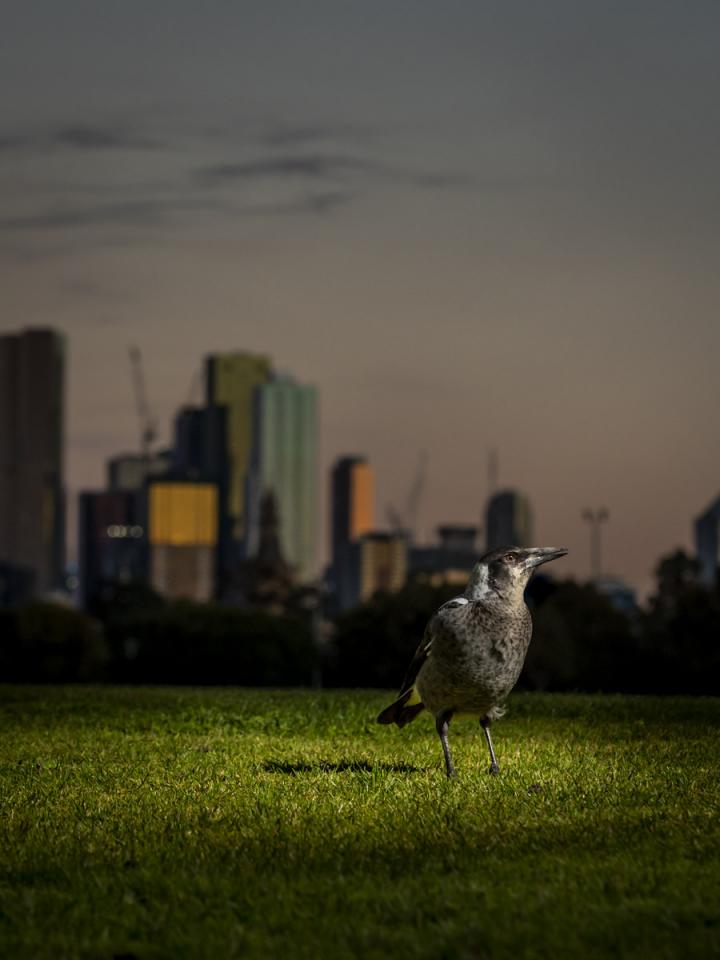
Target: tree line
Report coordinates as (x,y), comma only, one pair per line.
(580,641)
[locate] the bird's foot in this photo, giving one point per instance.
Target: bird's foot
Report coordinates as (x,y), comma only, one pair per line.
(494,769)
(451,773)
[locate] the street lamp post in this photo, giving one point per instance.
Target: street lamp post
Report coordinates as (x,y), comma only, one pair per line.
(595,519)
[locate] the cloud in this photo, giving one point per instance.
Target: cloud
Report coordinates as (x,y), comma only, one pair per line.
(85,137)
(92,196)
(327,167)
(134,213)
(293,135)
(320,204)
(305,166)
(81,137)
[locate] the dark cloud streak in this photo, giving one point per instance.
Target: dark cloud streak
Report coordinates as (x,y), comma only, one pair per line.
(82,137)
(304,166)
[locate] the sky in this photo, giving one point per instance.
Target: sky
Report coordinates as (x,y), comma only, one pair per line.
(474,225)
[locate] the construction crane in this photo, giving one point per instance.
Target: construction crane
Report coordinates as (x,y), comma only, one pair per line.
(148,423)
(406,520)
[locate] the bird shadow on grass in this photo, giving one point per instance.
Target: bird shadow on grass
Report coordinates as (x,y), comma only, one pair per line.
(341,766)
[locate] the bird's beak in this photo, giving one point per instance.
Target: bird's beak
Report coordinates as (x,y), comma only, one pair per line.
(538,555)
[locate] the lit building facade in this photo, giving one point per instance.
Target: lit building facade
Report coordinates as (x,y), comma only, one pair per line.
(182,519)
(284,463)
(352,485)
(381,564)
(231,380)
(509,521)
(32,508)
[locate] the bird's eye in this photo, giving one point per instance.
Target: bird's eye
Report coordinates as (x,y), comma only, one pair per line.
(510,557)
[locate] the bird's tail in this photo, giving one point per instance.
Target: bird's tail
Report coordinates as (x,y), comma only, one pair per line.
(403,710)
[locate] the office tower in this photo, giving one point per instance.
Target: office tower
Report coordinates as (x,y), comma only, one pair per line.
(183,534)
(284,463)
(200,448)
(381,563)
(128,472)
(707,543)
(231,379)
(112,546)
(508,521)
(352,491)
(32,535)
(353,502)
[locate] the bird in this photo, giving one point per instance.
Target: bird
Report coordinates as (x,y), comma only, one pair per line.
(473,648)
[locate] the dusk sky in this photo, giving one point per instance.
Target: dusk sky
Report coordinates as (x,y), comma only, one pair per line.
(472,225)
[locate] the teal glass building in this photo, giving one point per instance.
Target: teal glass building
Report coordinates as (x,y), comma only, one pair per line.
(284,462)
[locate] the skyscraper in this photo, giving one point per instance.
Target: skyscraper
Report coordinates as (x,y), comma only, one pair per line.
(231,379)
(707,543)
(183,534)
(112,545)
(353,510)
(32,510)
(508,521)
(200,449)
(284,463)
(381,563)
(128,472)
(353,502)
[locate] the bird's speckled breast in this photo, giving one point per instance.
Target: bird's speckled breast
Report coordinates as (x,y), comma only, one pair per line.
(477,655)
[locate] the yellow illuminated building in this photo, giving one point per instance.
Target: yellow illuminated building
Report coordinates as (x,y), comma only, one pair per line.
(183,514)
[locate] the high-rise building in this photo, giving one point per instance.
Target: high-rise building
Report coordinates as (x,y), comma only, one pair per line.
(707,543)
(128,472)
(183,534)
(353,502)
(200,449)
(32,509)
(231,379)
(352,486)
(112,545)
(284,463)
(381,563)
(508,521)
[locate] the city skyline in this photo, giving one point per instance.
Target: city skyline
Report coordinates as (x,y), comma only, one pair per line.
(471,227)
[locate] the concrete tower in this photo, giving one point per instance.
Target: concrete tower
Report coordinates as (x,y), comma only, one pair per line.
(32,509)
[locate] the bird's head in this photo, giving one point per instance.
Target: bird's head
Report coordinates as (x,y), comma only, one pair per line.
(506,571)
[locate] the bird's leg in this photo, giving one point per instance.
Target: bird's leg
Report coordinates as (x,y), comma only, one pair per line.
(442,725)
(485,724)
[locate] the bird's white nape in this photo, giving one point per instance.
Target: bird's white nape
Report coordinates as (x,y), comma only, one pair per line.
(479,583)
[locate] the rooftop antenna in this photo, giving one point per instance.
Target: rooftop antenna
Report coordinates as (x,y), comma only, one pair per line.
(595,518)
(406,520)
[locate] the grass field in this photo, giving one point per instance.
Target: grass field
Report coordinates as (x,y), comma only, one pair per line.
(243,823)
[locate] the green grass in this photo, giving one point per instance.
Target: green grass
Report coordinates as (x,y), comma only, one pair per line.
(243,823)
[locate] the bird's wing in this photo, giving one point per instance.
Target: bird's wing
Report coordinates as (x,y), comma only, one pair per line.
(421,655)
(423,650)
